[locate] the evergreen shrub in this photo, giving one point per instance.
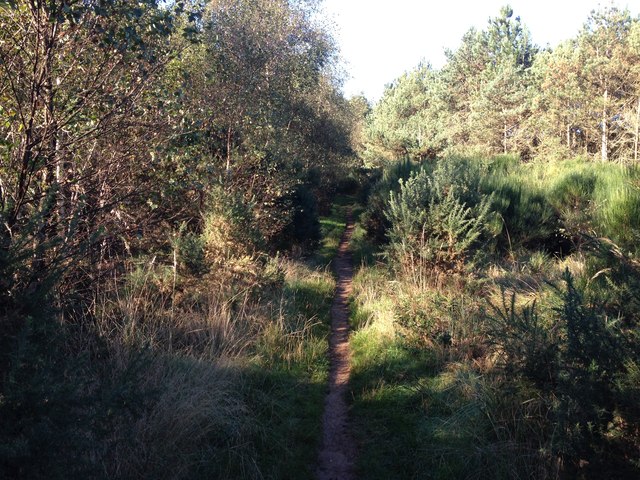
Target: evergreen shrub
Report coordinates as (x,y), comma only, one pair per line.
(437,218)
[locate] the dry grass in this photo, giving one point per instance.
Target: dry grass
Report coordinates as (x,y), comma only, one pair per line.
(196,419)
(189,347)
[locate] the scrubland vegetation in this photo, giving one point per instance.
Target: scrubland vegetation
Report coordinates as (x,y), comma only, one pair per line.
(174,178)
(496,337)
(496,328)
(155,158)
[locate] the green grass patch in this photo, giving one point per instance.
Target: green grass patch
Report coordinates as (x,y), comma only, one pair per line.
(287,380)
(332,228)
(386,385)
(287,405)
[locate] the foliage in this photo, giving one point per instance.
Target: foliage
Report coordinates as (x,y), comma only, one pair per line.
(525,213)
(500,93)
(437,218)
(519,377)
(409,119)
(153,158)
(377,196)
(527,343)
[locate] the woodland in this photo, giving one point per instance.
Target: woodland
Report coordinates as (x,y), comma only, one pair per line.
(175,178)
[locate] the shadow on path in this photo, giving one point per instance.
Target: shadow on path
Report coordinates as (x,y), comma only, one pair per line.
(336,460)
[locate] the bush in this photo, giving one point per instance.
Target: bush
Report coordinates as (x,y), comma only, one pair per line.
(614,279)
(46,426)
(305,228)
(590,360)
(190,250)
(618,215)
(526,344)
(374,218)
(573,361)
(229,229)
(436,219)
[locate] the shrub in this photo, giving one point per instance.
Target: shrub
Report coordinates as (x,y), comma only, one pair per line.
(190,250)
(618,215)
(229,229)
(305,227)
(590,360)
(527,345)
(436,219)
(614,279)
(374,218)
(572,360)
(46,421)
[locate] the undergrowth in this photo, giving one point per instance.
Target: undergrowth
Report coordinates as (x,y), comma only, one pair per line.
(206,362)
(516,359)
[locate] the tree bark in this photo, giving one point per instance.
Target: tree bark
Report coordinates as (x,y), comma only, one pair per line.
(605,129)
(635,145)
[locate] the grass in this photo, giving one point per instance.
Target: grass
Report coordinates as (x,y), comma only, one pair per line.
(432,395)
(386,380)
(385,383)
(224,375)
(332,228)
(422,410)
(286,379)
(221,375)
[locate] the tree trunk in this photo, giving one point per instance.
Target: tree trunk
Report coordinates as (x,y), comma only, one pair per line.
(569,136)
(504,139)
(605,129)
(635,145)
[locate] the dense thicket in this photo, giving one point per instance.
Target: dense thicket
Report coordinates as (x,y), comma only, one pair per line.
(118,118)
(152,155)
(499,93)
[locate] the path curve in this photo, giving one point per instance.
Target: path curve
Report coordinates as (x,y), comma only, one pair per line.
(336,460)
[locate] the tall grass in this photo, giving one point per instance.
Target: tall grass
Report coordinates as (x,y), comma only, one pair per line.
(485,371)
(176,374)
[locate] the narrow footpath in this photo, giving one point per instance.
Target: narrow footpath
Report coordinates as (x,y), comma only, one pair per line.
(336,460)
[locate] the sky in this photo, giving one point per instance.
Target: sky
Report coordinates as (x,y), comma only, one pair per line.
(381,39)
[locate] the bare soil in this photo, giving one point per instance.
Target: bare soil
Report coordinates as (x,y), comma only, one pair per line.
(336,460)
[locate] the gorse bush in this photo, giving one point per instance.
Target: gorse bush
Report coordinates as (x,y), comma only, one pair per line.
(436,218)
(614,279)
(619,216)
(572,355)
(305,227)
(374,218)
(229,230)
(526,343)
(43,415)
(189,248)
(597,199)
(590,360)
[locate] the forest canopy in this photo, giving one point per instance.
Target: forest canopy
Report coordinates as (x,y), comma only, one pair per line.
(500,93)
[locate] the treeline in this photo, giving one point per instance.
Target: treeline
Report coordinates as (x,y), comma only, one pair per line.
(153,155)
(501,93)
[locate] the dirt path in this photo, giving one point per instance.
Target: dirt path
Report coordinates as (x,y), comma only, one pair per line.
(337,455)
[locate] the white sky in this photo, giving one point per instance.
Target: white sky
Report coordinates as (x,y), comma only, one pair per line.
(381,39)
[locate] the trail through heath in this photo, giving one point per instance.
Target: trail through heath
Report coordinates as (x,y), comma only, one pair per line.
(336,460)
